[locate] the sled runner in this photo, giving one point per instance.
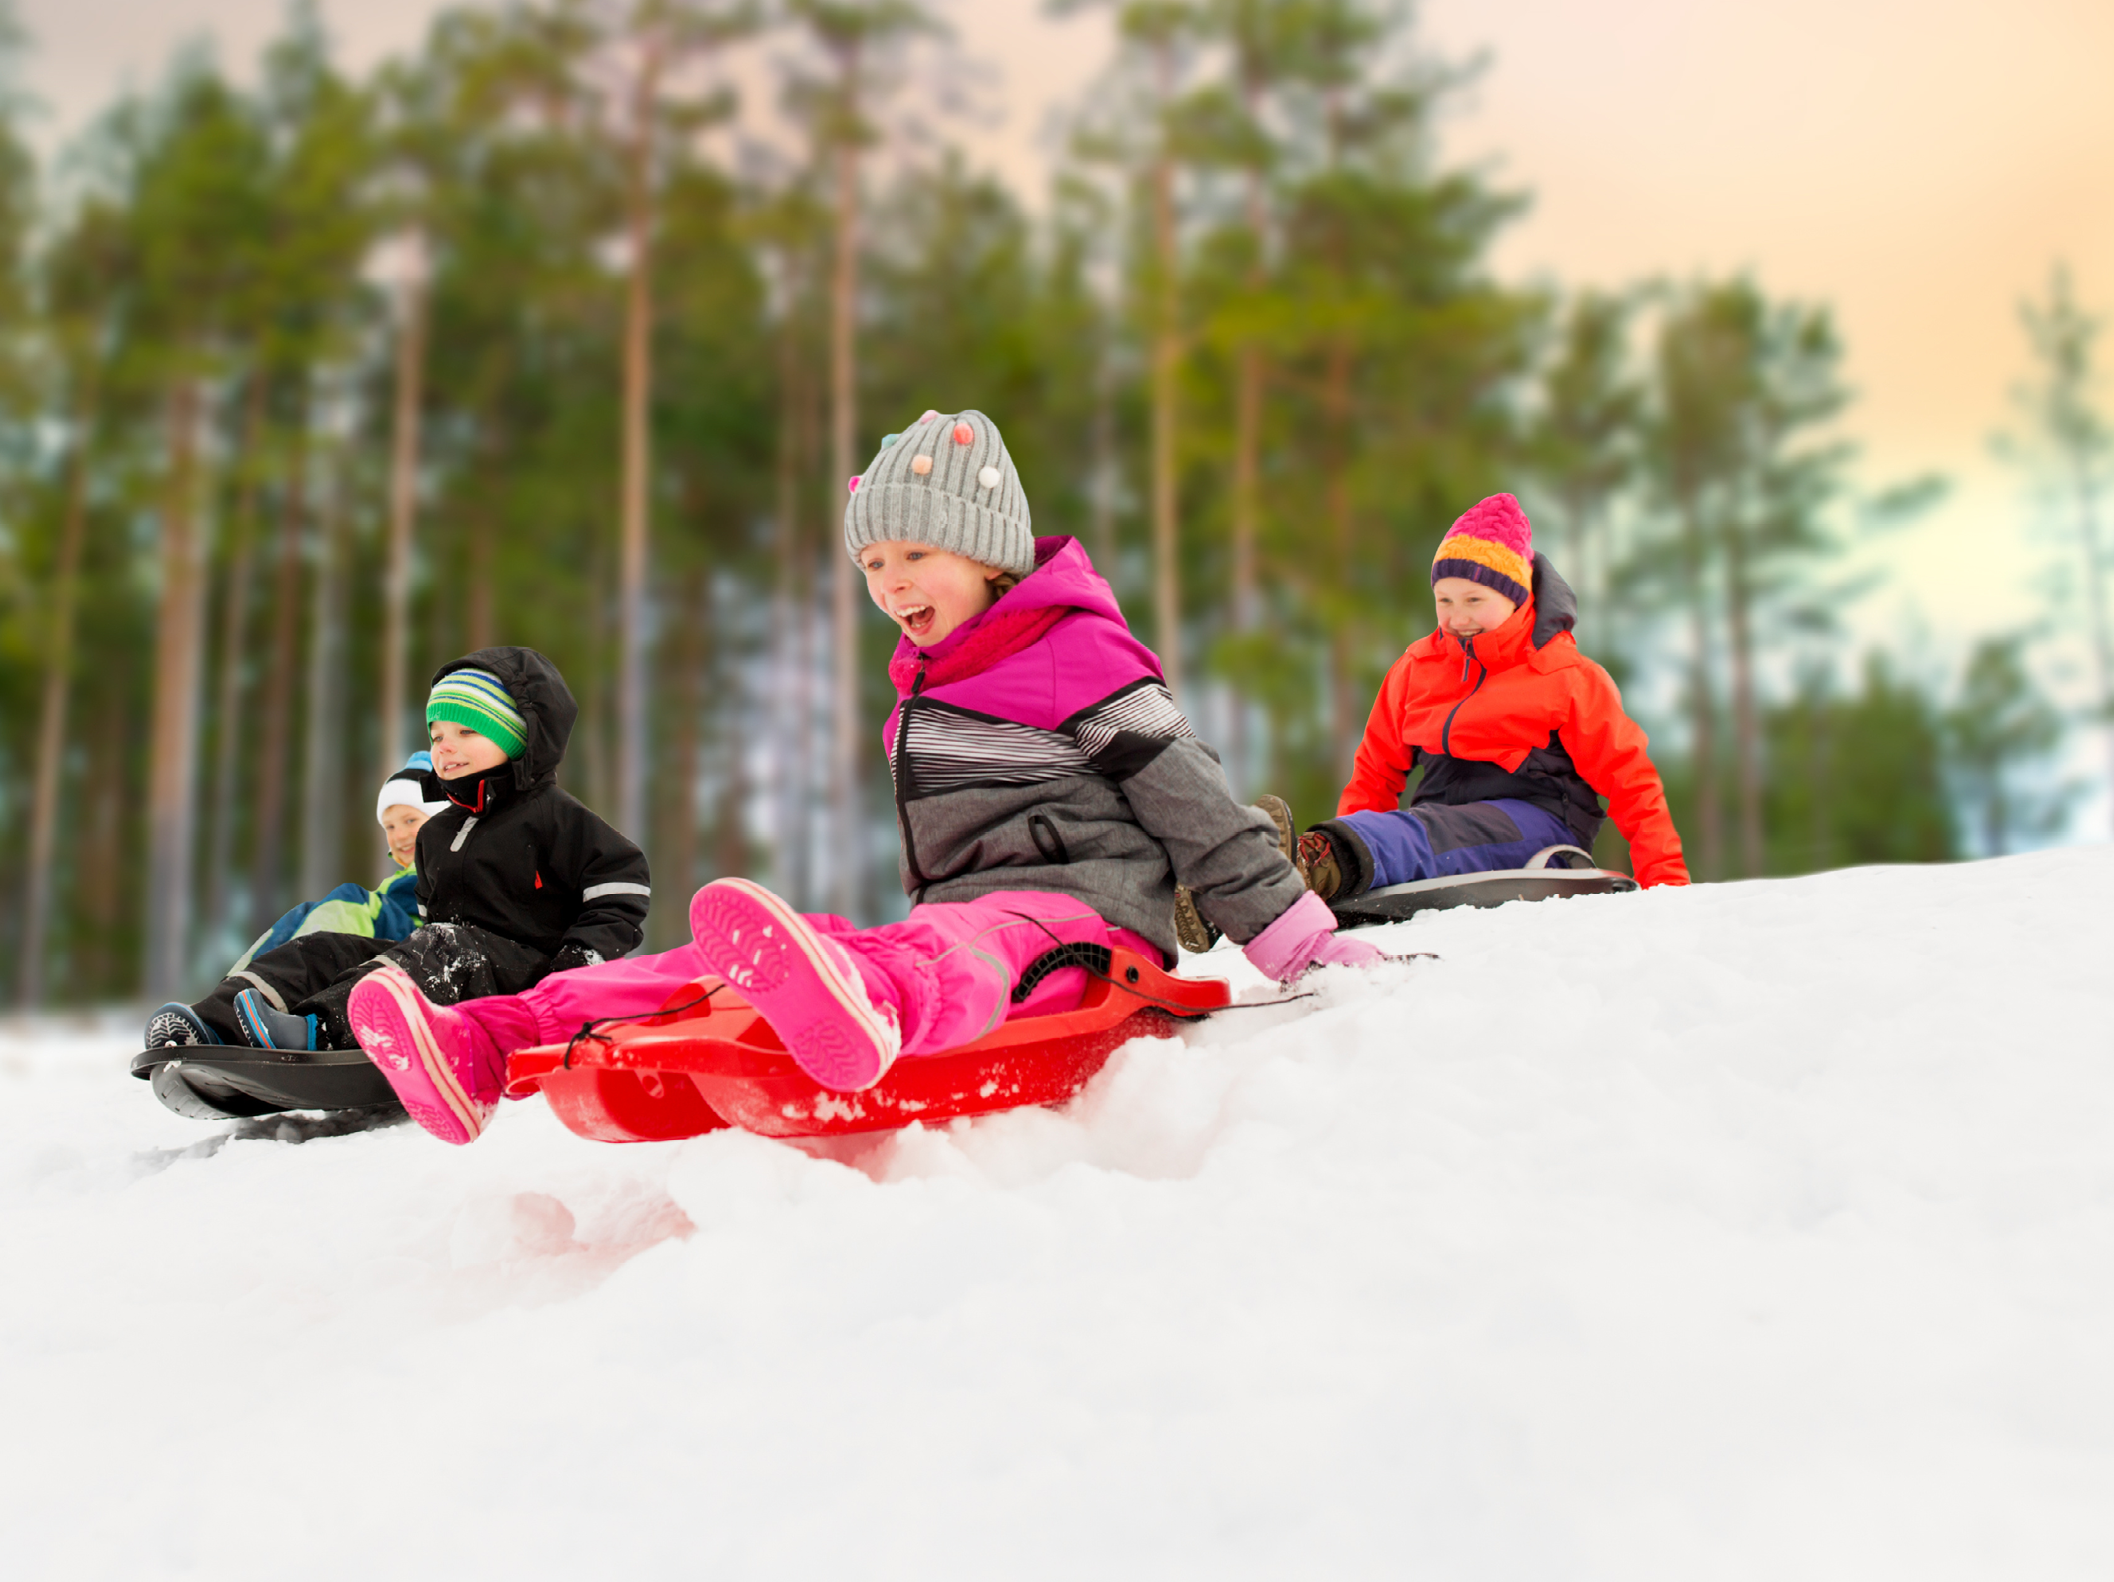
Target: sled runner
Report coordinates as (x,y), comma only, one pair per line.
(1560,870)
(210,1082)
(708,1060)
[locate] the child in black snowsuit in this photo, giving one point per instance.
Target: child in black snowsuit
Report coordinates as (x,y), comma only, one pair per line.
(516,879)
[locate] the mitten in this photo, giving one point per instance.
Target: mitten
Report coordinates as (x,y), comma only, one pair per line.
(1305,936)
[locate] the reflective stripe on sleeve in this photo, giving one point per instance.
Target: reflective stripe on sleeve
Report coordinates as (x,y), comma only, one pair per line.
(617,887)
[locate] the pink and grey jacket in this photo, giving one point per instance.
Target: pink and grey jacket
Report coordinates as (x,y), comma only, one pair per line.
(1038,748)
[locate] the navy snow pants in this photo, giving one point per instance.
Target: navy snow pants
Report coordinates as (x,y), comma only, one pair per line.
(1436,840)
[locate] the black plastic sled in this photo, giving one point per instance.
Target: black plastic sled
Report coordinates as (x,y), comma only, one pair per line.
(1560,870)
(212,1082)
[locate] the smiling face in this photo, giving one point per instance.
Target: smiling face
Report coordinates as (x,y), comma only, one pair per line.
(927,592)
(1468,609)
(459,751)
(401,824)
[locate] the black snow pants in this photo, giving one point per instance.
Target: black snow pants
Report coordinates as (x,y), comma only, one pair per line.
(313,975)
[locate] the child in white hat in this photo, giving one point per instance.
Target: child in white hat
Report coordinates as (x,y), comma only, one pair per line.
(390,909)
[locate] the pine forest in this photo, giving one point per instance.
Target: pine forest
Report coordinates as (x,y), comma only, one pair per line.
(568,328)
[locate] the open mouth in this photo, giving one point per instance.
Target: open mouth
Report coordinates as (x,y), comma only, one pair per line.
(916,620)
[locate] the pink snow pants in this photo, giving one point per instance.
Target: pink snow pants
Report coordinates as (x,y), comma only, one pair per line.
(948,969)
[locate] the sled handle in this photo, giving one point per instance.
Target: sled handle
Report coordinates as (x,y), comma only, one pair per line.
(1081,953)
(1128,971)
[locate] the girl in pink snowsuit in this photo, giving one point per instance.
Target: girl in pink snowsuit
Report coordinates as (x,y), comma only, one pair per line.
(1048,792)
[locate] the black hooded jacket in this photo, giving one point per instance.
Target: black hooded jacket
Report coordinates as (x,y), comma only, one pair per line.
(516,855)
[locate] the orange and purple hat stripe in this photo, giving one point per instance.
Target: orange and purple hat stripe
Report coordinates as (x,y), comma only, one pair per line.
(1493,544)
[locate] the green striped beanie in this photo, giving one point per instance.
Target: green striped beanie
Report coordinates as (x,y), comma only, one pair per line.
(480,700)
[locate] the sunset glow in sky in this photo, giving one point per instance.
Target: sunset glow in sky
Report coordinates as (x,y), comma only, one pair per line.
(1917,164)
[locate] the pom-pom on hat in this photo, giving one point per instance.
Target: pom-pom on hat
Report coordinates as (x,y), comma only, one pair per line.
(1492,543)
(948,482)
(406,789)
(480,700)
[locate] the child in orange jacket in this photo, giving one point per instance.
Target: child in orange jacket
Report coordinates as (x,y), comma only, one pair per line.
(1518,733)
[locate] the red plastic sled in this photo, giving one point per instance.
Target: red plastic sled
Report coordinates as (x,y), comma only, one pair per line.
(714,1062)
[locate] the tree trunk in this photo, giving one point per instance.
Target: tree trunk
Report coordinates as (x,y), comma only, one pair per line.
(234,633)
(1579,572)
(808,657)
(1823,779)
(174,763)
(591,733)
(1344,720)
(846,884)
(1166,371)
(790,720)
(273,738)
(1101,529)
(1746,730)
(1710,843)
(100,902)
(632,627)
(1247,467)
(51,723)
(693,658)
(480,627)
(2096,606)
(403,514)
(325,725)
(731,718)
(1247,446)
(733,841)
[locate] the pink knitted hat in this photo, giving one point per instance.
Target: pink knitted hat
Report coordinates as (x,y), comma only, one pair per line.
(1492,543)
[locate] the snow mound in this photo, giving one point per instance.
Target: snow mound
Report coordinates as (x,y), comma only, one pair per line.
(1749,1231)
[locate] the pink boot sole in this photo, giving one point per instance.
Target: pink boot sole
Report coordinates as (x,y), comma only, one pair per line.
(398,1029)
(810,993)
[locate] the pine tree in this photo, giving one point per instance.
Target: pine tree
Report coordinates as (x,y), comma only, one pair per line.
(195,196)
(2003,735)
(1742,385)
(856,36)
(2069,445)
(1137,127)
(1584,449)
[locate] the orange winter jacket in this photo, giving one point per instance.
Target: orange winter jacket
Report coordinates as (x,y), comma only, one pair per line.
(1517,712)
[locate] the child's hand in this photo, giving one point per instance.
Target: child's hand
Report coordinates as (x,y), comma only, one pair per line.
(1304,936)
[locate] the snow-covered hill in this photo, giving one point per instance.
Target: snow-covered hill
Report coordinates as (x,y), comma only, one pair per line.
(1755,1231)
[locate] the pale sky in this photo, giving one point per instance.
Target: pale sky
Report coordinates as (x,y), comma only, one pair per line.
(1918,164)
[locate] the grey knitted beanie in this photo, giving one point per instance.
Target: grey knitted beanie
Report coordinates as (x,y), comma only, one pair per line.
(948,482)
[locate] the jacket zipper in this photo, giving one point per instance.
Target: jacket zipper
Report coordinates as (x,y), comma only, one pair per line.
(918,881)
(1467,654)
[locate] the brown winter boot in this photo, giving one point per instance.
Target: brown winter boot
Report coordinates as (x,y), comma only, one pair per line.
(1334,861)
(1318,865)
(1198,936)
(1280,812)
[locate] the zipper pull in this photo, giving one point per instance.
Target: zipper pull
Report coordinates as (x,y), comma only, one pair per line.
(917,682)
(1467,654)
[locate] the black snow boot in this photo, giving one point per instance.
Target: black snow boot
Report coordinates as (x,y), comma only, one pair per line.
(177,1026)
(264,1028)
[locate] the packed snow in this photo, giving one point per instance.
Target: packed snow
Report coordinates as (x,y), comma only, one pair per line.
(1749,1231)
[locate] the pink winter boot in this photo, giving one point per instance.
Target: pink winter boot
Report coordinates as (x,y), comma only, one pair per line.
(803,983)
(443,1065)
